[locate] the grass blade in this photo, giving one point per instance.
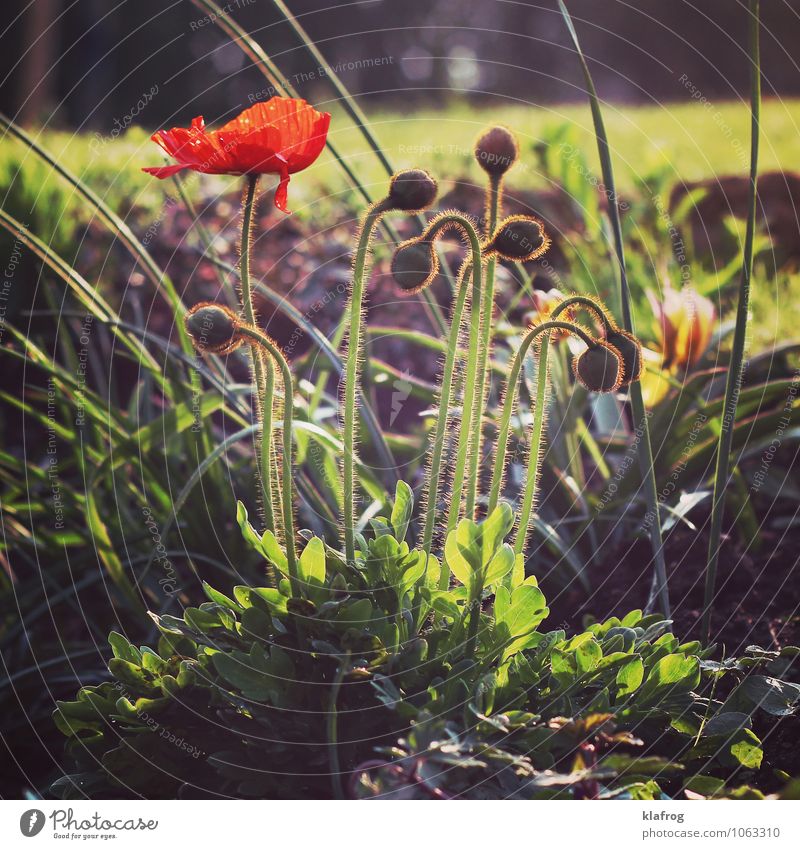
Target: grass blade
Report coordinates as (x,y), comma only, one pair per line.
(351,107)
(643,447)
(735,370)
(114,223)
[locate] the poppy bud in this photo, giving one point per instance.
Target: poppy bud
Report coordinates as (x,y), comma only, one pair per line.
(519,238)
(414,265)
(496,151)
(599,368)
(412,190)
(630,350)
(213,328)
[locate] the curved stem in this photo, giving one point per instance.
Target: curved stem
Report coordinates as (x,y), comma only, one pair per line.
(581,300)
(536,451)
(471,398)
(511,395)
(483,377)
(368,225)
(432,232)
(263,371)
(268,347)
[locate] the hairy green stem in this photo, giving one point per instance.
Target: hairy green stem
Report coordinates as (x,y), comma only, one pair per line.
(431,233)
(511,397)
(535,452)
(269,348)
(735,371)
(445,399)
(471,397)
(483,376)
(368,226)
(263,381)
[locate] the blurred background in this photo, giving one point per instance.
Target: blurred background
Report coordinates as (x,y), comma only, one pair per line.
(75,62)
(91,79)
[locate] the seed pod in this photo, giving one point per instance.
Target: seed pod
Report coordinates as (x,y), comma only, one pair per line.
(630,349)
(496,151)
(412,190)
(414,266)
(214,328)
(519,238)
(599,368)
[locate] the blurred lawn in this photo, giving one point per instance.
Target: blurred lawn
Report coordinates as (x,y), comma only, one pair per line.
(689,140)
(679,142)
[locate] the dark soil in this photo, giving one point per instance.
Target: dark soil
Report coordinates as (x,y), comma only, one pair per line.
(757,599)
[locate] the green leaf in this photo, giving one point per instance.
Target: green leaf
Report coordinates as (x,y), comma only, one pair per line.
(631,618)
(563,667)
(629,677)
(517,622)
(494,529)
(501,564)
(528,608)
(670,676)
(311,565)
(413,570)
(746,749)
(704,785)
(772,695)
(588,655)
(461,553)
(240,672)
(726,724)
(220,598)
(266,544)
(402,510)
(123,649)
(502,602)
(249,533)
(131,674)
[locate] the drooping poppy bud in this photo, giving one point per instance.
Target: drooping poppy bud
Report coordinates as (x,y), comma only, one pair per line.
(519,238)
(213,328)
(414,266)
(630,350)
(599,368)
(496,151)
(412,190)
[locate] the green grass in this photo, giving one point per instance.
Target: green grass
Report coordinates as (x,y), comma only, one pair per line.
(681,141)
(691,141)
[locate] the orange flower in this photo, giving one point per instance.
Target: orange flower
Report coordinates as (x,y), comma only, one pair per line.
(686,322)
(282,136)
(543,305)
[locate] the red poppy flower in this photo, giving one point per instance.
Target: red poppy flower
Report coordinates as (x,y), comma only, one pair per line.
(282,136)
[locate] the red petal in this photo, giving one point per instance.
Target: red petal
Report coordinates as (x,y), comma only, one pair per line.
(282,192)
(165,170)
